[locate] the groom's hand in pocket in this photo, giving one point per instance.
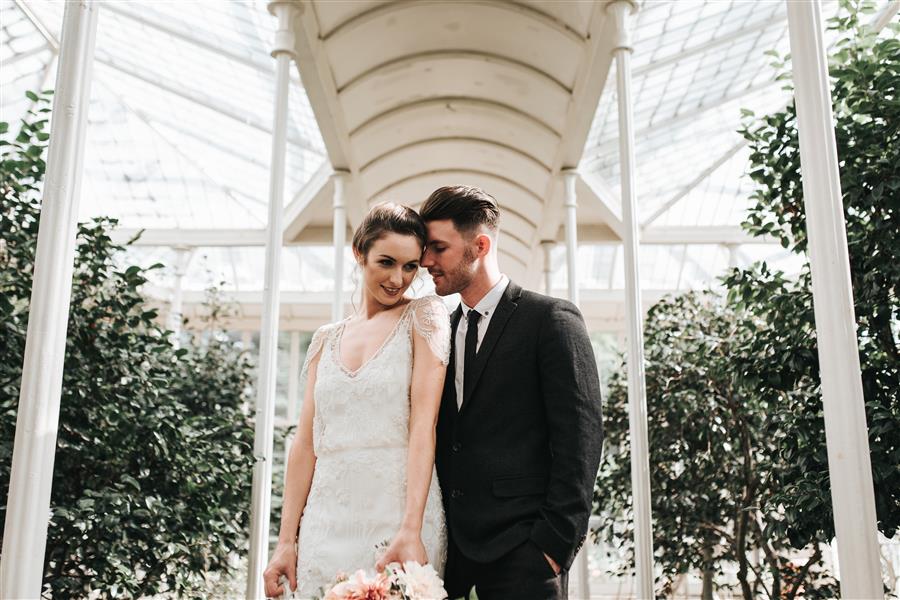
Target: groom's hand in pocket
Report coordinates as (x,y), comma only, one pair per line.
(283,563)
(553,564)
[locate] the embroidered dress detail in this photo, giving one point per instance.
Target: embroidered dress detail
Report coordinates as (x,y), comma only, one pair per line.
(361,440)
(431,320)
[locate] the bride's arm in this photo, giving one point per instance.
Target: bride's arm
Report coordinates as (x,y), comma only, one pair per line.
(426,388)
(300,466)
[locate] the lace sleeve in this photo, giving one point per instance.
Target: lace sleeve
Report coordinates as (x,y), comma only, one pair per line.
(315,348)
(431,320)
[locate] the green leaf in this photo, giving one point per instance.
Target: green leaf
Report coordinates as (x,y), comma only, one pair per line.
(131,481)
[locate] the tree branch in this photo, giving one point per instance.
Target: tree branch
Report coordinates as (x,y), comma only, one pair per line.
(800,578)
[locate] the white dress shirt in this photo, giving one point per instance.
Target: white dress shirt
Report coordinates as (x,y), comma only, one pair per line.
(486,307)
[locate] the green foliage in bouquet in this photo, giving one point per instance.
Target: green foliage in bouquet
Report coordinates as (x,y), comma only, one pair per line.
(154,454)
(739,471)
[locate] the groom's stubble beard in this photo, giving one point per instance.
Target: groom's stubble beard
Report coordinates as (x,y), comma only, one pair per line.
(461,276)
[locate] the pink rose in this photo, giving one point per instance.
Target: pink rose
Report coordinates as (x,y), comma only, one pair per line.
(361,587)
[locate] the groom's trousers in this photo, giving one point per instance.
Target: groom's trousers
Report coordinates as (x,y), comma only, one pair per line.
(523,573)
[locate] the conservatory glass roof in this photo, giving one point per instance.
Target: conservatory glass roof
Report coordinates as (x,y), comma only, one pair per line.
(180,120)
(696,66)
(180,130)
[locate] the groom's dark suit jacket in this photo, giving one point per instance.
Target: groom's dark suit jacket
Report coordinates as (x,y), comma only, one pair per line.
(520,458)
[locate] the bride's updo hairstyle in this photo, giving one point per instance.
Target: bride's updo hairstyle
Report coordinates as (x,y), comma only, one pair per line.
(384,218)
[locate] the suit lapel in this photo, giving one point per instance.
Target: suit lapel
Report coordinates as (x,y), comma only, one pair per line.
(504,311)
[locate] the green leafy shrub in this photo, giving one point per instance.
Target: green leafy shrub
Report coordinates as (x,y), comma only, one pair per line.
(738,456)
(865,73)
(151,484)
(712,457)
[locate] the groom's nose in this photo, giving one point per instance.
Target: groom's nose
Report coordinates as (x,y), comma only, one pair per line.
(426,260)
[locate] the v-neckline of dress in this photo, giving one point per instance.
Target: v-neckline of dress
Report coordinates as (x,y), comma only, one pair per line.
(340,336)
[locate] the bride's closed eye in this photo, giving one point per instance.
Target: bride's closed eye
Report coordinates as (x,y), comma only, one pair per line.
(408,267)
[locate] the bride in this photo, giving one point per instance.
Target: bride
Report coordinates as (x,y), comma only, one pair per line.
(360,473)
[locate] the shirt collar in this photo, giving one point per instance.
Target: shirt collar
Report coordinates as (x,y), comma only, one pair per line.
(489,302)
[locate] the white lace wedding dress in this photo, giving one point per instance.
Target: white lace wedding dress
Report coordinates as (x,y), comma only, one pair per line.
(360,437)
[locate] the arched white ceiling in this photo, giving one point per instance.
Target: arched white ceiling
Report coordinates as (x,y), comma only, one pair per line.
(452,153)
(454,117)
(411,96)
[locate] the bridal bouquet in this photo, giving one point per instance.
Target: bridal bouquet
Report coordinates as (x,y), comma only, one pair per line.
(409,581)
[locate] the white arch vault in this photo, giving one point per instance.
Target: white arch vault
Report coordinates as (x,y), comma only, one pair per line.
(442,91)
(408,95)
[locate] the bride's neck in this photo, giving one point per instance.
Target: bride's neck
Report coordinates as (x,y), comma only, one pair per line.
(370,307)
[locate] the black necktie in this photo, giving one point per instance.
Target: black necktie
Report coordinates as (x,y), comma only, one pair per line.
(472,317)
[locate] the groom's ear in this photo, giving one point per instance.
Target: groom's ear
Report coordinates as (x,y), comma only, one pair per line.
(483,244)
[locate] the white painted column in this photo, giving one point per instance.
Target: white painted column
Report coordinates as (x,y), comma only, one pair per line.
(733,261)
(340,242)
(584,572)
(571,205)
(634,314)
(37,421)
(846,434)
(283,51)
(183,256)
(548,246)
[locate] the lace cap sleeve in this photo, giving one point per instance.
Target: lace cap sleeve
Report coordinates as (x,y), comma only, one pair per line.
(431,320)
(315,348)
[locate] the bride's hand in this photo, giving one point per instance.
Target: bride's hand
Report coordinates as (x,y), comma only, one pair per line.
(284,562)
(407,545)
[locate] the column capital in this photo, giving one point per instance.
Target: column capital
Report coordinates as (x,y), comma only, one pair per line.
(547,246)
(339,179)
(568,172)
(285,42)
(183,256)
(273,6)
(569,177)
(622,10)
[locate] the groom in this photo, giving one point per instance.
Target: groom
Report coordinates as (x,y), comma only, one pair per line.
(519,432)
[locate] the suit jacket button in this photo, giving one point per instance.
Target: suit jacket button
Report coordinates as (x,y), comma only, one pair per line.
(456,447)
(456,493)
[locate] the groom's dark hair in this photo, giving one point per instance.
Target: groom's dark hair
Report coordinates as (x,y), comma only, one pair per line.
(467,206)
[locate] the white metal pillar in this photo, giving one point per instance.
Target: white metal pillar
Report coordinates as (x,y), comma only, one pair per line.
(637,390)
(548,246)
(283,52)
(340,241)
(183,256)
(849,465)
(571,203)
(732,255)
(37,421)
(584,572)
